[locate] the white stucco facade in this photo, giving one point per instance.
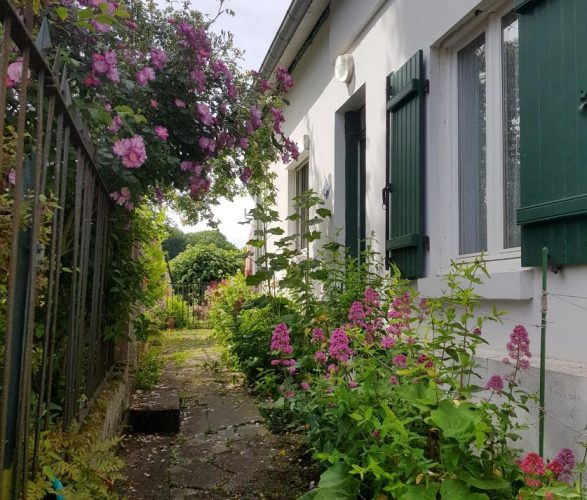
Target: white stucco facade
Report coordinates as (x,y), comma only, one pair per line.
(382,35)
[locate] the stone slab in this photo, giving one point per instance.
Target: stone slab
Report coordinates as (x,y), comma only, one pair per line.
(155,412)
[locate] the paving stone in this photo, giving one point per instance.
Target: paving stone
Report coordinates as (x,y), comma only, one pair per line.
(155,412)
(204,477)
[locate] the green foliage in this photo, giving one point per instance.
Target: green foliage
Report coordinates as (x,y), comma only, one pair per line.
(150,367)
(178,241)
(137,276)
(203,264)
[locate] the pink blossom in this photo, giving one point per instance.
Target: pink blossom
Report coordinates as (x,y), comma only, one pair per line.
(320,357)
(144,76)
(357,313)
(159,194)
(106,64)
(132,151)
(99,64)
(244,143)
(122,196)
(264,85)
(371,297)
(179,103)
(91,80)
(153,104)
(353,384)
(318,335)
(393,380)
(339,346)
(115,125)
(284,78)
(278,119)
(388,342)
(400,360)
(100,27)
(12,176)
(199,187)
(207,145)
(255,119)
(280,339)
(305,386)
(495,384)
(245,175)
(199,78)
(158,58)
(131,25)
(14,73)
(532,463)
(566,458)
(161,132)
(204,114)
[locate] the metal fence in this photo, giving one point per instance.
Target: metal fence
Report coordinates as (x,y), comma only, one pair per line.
(56,212)
(185,304)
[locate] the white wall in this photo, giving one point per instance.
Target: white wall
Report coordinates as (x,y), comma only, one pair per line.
(384,35)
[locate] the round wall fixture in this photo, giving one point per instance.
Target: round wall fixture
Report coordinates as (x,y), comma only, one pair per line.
(343,68)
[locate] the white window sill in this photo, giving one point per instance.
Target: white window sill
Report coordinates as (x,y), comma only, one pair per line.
(510,285)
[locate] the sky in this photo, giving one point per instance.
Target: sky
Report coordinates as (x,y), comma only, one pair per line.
(254,26)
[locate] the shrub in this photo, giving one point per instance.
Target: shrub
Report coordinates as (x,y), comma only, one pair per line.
(202,264)
(149,370)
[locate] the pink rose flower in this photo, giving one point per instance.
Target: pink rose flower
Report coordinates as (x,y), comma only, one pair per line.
(131,151)
(161,132)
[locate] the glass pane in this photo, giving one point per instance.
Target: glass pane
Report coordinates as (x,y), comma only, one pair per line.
(472,147)
(511,129)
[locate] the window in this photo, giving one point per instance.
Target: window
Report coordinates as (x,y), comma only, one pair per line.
(301,186)
(488,130)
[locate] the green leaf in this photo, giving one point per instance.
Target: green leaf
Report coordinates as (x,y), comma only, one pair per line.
(61,12)
(84,14)
(424,492)
(324,212)
(453,489)
(256,243)
(258,277)
(123,110)
(456,422)
(276,230)
(495,483)
(336,483)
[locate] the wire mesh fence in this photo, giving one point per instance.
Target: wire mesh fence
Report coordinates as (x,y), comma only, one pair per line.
(54,228)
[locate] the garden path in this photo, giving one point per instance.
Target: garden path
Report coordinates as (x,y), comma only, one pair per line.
(223,450)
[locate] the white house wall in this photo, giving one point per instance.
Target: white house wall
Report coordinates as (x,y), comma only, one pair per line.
(384,35)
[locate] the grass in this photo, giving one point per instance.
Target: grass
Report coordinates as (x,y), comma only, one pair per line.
(150,367)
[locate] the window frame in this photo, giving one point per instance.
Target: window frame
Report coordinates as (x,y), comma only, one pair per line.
(491,26)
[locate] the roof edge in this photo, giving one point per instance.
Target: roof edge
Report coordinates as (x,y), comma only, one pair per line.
(294,15)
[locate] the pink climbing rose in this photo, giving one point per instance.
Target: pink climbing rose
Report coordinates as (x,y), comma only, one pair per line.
(144,76)
(158,58)
(161,132)
(131,151)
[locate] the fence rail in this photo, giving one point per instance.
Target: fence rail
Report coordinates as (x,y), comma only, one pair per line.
(52,288)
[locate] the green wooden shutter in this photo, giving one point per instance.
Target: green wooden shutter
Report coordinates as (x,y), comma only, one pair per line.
(355,182)
(404,194)
(553,130)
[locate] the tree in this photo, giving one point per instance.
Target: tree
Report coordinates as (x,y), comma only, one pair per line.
(175,243)
(203,264)
(210,237)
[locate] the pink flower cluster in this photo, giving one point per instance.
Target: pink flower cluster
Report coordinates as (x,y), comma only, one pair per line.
(14,73)
(536,473)
(284,79)
(399,314)
(280,339)
(495,384)
(158,58)
(519,349)
(161,132)
(122,198)
(105,64)
(131,151)
(318,336)
(339,346)
(144,76)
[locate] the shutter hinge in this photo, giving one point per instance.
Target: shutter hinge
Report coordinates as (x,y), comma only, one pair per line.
(426,242)
(426,86)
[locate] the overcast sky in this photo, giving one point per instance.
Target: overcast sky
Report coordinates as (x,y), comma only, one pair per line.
(254,26)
